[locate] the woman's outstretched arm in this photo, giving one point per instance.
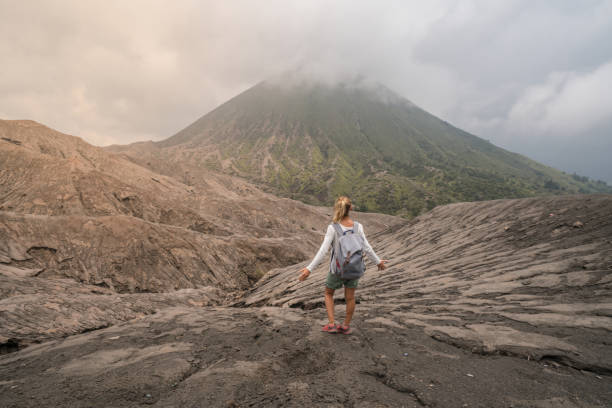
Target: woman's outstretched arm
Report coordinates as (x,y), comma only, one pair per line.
(370,252)
(327,241)
(325,246)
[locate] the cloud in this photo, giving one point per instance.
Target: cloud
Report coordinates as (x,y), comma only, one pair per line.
(565,121)
(118,72)
(566,104)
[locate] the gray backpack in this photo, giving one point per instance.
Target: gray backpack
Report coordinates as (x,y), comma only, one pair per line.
(347,253)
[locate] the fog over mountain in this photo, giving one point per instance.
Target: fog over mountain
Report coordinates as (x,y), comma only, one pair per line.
(532,77)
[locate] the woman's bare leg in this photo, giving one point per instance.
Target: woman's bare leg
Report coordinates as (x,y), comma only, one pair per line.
(349,297)
(329,304)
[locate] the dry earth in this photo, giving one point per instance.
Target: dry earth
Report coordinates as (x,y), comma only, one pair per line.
(491,304)
(120,286)
(529,277)
(226,357)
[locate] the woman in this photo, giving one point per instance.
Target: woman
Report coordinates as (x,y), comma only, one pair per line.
(333,282)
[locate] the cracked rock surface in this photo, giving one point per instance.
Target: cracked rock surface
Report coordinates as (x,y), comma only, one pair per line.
(505,276)
(270,356)
(469,314)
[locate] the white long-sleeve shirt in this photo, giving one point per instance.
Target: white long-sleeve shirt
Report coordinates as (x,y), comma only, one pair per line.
(329,238)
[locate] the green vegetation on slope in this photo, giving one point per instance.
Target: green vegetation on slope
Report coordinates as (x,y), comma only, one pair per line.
(313,142)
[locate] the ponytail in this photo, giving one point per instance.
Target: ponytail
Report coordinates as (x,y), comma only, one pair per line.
(341,208)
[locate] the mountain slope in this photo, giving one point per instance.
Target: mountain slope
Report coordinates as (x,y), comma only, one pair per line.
(313,142)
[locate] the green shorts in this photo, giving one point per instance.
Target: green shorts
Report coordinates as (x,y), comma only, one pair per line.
(335,282)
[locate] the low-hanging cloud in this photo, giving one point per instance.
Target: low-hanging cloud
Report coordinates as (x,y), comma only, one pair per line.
(566,104)
(529,76)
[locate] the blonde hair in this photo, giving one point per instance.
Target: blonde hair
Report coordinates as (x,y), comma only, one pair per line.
(341,208)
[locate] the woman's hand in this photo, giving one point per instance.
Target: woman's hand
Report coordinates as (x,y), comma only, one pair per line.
(304,275)
(381,265)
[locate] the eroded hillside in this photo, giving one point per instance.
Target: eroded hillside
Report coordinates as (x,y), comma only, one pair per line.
(69,209)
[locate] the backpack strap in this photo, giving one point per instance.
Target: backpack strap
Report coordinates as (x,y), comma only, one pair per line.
(338,228)
(337,235)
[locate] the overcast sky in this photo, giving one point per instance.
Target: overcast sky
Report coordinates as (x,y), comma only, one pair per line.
(534,77)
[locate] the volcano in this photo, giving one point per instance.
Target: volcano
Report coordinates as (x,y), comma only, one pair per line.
(313,141)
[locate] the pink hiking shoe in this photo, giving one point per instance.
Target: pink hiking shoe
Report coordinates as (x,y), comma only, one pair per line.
(344,329)
(330,328)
